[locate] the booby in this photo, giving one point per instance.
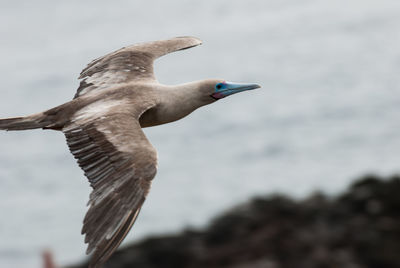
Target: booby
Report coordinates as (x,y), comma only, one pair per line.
(118,96)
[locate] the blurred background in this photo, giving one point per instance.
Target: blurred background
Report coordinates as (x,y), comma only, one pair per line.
(327,111)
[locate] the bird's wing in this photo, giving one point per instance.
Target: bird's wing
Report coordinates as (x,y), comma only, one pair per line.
(128,64)
(120,163)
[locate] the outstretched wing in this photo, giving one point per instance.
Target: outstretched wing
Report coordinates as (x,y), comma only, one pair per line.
(129,63)
(120,163)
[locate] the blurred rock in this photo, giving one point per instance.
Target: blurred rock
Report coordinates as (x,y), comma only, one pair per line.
(358,229)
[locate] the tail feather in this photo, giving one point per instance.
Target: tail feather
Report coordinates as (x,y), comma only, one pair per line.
(26,122)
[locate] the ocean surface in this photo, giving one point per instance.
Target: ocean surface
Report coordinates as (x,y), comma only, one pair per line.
(328,110)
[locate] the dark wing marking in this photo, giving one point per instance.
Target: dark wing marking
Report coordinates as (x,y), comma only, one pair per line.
(120,163)
(128,64)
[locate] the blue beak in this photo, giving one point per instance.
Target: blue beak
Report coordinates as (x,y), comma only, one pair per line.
(227,88)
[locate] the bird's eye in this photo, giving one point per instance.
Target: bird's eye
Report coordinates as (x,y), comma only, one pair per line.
(219,86)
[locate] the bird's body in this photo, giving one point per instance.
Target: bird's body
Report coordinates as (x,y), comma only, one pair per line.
(119,95)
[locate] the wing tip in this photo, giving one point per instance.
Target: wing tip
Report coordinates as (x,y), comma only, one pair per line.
(188,42)
(196,41)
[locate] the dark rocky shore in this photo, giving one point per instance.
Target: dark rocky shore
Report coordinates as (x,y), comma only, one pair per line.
(360,228)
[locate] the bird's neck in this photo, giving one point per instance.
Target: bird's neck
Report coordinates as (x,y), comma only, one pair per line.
(175,102)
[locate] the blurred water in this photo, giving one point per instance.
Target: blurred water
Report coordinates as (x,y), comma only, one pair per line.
(328,110)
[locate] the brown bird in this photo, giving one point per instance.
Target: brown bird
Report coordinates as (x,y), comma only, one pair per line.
(117,97)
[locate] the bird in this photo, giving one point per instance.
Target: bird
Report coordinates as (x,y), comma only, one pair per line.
(118,95)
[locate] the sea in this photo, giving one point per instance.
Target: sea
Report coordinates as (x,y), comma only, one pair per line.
(328,110)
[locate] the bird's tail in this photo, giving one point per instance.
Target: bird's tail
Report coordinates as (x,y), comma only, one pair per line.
(38,120)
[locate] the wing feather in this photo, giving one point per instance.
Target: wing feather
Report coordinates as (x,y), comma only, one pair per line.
(120,163)
(129,64)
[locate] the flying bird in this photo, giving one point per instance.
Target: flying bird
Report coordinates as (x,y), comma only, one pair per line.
(119,95)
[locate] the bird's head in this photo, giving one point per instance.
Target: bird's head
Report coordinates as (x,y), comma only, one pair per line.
(218,89)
